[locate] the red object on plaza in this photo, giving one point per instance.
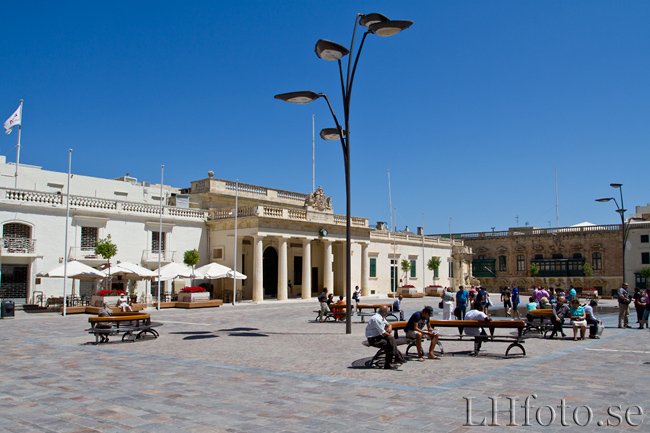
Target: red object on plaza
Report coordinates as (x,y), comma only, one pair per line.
(193,290)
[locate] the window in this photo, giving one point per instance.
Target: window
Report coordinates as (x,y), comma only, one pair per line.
(521,263)
(435,273)
(597,261)
(503,264)
(482,257)
(157,241)
(413,269)
(557,256)
(539,256)
(89,237)
(373,267)
(645,258)
(577,255)
(217,253)
(645,239)
(16,230)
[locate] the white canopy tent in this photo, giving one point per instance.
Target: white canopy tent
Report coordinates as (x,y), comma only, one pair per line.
(173,270)
(131,271)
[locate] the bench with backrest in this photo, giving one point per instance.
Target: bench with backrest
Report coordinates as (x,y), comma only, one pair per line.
(489,327)
(540,321)
(133,326)
(333,315)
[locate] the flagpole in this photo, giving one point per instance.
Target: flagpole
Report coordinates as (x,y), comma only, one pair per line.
(162,168)
(234,276)
(67,218)
(20,125)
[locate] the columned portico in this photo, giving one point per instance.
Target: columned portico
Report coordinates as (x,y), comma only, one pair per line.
(306,268)
(258,288)
(328,275)
(282,270)
(365,270)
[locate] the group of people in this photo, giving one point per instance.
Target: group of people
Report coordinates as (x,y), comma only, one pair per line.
(641,299)
(418,327)
(462,299)
(328,305)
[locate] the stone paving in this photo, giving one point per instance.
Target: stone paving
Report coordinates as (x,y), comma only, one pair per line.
(270,367)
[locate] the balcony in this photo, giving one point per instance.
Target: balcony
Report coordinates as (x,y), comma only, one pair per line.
(483,268)
(18,246)
(560,267)
(86,255)
(150,257)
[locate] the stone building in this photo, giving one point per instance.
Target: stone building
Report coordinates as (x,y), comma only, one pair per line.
(288,244)
(502,258)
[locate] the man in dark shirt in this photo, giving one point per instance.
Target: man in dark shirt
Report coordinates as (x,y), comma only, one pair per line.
(560,312)
(415,329)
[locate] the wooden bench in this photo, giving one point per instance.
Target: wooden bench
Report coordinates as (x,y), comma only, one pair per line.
(540,321)
(514,341)
(331,316)
(133,326)
(378,359)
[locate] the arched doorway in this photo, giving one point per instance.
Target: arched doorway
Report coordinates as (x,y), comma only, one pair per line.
(270,272)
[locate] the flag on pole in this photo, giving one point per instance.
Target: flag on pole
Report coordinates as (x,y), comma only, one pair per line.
(13,120)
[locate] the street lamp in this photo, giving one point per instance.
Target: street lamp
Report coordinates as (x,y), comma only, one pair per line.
(625,228)
(376,24)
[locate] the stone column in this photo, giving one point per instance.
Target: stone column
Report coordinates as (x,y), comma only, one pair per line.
(365,270)
(328,275)
(282,271)
(306,269)
(258,283)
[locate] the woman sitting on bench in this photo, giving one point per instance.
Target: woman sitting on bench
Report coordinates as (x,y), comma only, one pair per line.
(578,319)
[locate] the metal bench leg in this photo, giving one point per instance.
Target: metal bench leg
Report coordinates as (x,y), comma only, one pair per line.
(523,351)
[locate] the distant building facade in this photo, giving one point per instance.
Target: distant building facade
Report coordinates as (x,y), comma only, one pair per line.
(503,258)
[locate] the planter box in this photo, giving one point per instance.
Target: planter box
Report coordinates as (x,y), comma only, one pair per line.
(434,291)
(98,301)
(194,297)
(407,290)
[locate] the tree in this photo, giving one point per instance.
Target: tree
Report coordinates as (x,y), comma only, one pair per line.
(534,270)
(433,264)
(107,249)
(191,258)
(406,267)
(587,270)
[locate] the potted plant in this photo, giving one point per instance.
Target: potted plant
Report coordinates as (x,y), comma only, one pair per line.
(108,295)
(193,294)
(406,267)
(191,258)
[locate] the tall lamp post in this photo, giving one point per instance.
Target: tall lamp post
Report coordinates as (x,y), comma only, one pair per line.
(625,228)
(376,24)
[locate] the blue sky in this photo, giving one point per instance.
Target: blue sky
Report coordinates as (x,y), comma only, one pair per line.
(471,108)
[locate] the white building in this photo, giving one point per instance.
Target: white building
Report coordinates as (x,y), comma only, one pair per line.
(288,244)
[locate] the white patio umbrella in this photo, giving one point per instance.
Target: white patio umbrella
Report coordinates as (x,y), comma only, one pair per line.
(131,271)
(212,271)
(173,270)
(76,270)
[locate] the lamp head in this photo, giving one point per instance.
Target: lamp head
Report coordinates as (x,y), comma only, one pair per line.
(616,185)
(331,134)
(389,28)
(603,200)
(368,20)
(304,97)
(328,50)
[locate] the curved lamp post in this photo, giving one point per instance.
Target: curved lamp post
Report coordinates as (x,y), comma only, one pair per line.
(379,25)
(625,228)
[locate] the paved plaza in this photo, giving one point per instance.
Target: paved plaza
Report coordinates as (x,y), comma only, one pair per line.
(270,367)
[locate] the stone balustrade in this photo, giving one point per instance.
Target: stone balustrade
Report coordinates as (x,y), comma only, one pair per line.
(80,202)
(286,214)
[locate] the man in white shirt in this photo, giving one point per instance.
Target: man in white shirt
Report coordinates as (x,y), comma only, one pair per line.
(476,313)
(379,334)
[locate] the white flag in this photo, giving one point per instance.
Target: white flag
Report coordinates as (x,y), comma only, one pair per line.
(13,120)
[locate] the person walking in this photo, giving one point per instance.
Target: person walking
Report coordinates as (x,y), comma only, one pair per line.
(623,306)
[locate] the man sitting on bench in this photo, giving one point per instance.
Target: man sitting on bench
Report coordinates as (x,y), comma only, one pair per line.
(104,312)
(476,313)
(415,329)
(379,334)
